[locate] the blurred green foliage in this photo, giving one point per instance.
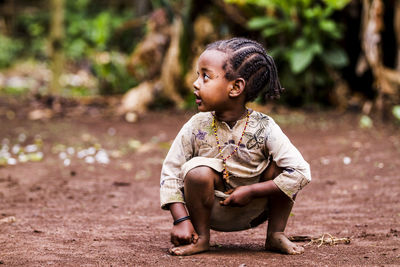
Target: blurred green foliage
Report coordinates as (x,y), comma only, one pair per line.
(304,39)
(89,30)
(112,72)
(32,28)
(15,91)
(9,50)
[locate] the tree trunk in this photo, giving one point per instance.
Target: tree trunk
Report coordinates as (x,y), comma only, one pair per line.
(7,15)
(387,81)
(396,22)
(56,44)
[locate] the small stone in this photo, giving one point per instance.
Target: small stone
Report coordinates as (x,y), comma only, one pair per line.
(16,149)
(23,158)
(31,148)
(67,162)
(11,161)
(89,160)
(91,151)
(71,150)
(346,160)
(62,155)
(81,154)
(102,157)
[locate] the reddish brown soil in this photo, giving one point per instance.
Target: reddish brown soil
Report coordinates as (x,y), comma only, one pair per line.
(109,215)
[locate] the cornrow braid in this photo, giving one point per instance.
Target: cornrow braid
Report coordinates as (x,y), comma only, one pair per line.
(247,59)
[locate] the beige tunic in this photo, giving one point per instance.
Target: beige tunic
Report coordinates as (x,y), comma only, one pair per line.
(262,140)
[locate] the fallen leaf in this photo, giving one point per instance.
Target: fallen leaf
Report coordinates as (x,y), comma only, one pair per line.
(9,219)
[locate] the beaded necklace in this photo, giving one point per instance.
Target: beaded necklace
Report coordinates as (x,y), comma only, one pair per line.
(225,173)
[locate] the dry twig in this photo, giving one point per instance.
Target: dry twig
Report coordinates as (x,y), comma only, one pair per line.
(326,238)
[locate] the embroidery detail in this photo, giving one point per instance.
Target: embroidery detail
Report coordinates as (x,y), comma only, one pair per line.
(200,135)
(289,170)
(259,120)
(256,139)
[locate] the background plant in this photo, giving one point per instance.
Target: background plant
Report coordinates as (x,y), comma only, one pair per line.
(90,30)
(9,50)
(304,39)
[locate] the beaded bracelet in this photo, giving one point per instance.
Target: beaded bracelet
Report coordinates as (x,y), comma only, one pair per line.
(181,220)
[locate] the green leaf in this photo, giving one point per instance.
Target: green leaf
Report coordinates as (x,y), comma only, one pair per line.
(327,25)
(317,48)
(335,57)
(261,22)
(76,48)
(300,43)
(330,27)
(336,4)
(301,59)
(270,32)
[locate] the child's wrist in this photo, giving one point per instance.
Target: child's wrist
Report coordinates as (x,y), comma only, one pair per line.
(177,221)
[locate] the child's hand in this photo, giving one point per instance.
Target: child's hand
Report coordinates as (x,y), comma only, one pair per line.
(183,234)
(240,197)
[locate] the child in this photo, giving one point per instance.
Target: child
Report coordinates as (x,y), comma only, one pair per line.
(231,168)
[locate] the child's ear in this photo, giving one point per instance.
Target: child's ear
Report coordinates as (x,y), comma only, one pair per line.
(237,87)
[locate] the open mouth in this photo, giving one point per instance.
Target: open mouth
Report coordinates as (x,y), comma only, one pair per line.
(198,99)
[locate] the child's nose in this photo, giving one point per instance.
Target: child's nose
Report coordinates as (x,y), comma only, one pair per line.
(196,84)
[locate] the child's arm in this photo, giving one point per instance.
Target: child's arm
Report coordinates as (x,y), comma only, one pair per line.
(171,181)
(242,195)
(295,170)
(183,232)
(294,176)
(171,195)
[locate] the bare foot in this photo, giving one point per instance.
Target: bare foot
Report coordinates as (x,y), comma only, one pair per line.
(280,243)
(186,250)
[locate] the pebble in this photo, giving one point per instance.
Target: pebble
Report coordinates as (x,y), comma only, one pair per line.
(11,161)
(67,162)
(346,160)
(89,160)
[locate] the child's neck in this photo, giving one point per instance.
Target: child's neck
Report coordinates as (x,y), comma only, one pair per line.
(231,116)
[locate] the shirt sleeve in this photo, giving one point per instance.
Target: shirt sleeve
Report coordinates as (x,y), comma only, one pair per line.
(296,173)
(171,181)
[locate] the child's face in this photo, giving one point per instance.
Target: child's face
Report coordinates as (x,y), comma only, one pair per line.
(211,87)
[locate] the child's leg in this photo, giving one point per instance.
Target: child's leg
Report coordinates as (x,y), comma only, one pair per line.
(199,197)
(279,208)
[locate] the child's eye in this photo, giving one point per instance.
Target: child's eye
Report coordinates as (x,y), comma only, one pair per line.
(206,77)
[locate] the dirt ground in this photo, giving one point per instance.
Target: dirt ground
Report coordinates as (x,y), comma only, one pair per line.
(68,209)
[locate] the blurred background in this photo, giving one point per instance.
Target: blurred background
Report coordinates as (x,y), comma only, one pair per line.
(340,54)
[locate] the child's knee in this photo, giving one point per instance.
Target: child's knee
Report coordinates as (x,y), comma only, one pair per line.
(201,175)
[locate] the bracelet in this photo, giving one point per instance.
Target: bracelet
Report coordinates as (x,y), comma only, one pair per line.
(181,220)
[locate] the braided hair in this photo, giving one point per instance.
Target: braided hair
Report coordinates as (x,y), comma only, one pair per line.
(247,59)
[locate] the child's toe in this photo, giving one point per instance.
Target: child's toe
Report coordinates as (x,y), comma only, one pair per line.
(296,250)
